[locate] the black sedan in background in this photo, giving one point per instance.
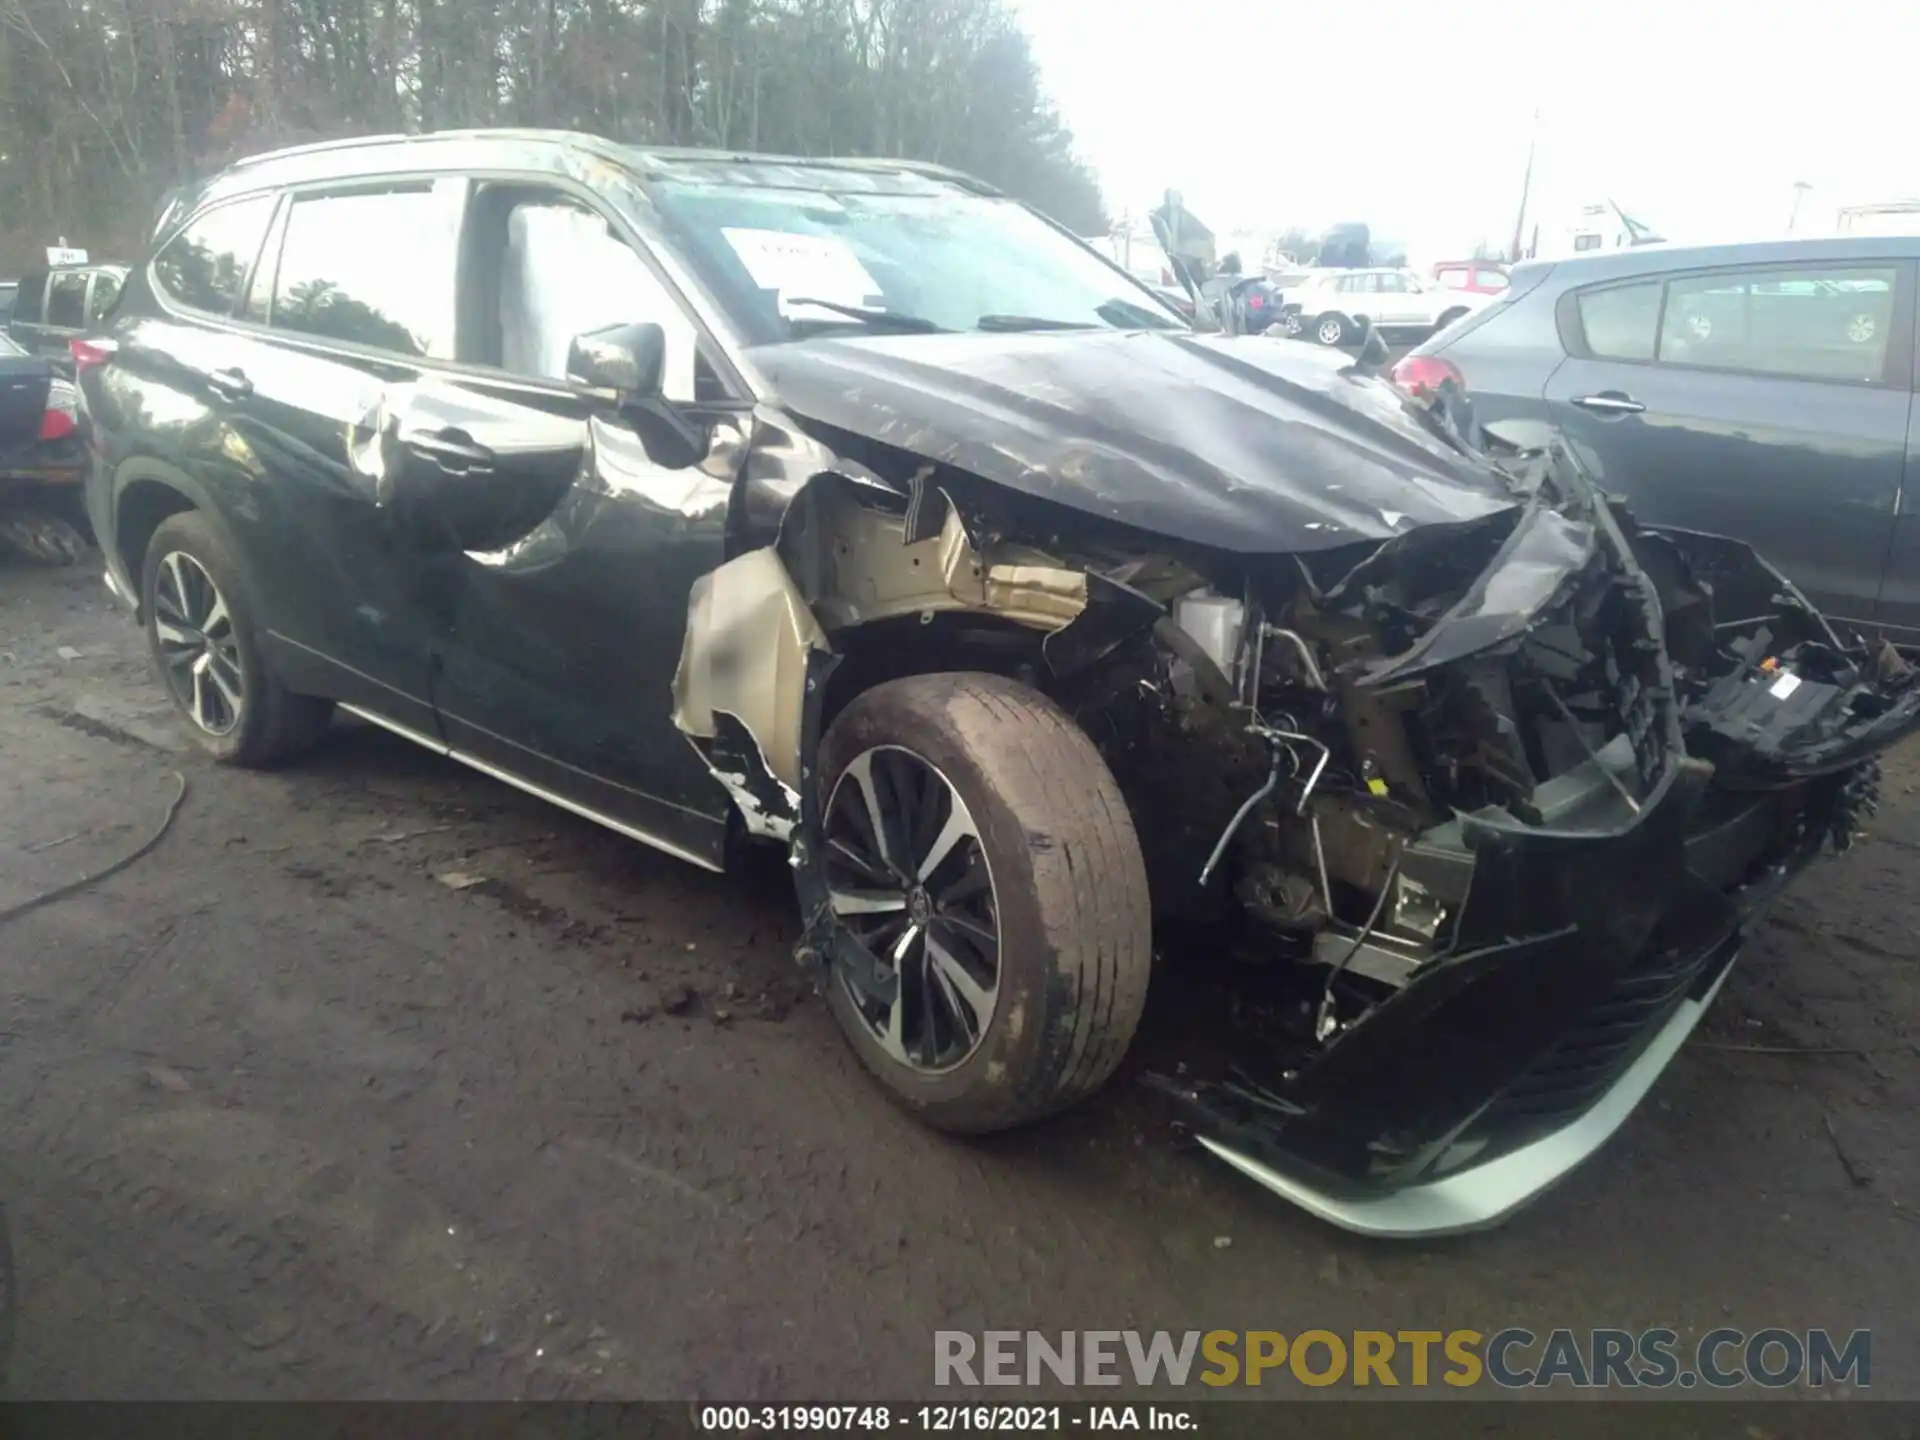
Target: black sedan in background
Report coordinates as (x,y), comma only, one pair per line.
(1762,391)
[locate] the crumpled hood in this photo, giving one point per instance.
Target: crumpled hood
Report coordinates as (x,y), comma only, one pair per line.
(1251,445)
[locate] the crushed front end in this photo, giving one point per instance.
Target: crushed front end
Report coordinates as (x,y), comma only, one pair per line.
(1509,797)
(1462,788)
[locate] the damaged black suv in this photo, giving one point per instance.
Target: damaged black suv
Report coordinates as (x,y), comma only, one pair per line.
(854,507)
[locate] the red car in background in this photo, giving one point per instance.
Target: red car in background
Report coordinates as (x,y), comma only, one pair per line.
(1481,277)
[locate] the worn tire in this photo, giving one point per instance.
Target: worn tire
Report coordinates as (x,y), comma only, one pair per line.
(275,725)
(1069,884)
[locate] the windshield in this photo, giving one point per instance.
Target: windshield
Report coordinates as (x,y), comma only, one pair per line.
(791,262)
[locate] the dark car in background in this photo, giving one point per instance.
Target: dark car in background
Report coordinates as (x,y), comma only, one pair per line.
(857,508)
(57,305)
(42,458)
(1763,391)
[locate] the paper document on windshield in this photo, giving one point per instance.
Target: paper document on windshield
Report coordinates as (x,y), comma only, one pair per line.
(820,267)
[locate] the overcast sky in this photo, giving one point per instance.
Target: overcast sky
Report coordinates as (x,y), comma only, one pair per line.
(1696,115)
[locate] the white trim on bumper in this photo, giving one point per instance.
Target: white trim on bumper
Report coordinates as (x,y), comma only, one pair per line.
(1483,1196)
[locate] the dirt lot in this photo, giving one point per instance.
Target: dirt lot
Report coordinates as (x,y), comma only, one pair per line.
(290,1115)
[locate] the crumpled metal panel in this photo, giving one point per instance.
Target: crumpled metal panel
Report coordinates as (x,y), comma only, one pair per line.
(1255,448)
(749,631)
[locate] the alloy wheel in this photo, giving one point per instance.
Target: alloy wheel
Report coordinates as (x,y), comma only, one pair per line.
(1861,329)
(1330,332)
(198,648)
(906,873)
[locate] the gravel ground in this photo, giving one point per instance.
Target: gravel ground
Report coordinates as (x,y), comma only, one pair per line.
(292,1113)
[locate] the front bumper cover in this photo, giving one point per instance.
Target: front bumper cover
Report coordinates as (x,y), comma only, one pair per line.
(1482,1196)
(1523,1058)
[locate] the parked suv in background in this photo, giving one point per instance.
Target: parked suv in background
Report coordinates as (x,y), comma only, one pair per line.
(1329,306)
(1764,391)
(852,506)
(56,306)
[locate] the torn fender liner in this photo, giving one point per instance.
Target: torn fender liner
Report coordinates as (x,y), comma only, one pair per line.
(749,633)
(1242,447)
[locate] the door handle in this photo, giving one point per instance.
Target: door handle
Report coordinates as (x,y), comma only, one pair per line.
(454,451)
(1609,402)
(232,383)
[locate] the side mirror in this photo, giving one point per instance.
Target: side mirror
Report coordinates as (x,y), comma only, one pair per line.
(631,361)
(628,359)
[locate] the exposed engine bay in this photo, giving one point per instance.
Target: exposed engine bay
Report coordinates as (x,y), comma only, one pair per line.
(1487,801)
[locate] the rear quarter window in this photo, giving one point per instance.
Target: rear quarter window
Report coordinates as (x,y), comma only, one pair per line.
(204,266)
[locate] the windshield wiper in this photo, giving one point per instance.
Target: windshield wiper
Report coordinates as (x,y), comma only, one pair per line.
(1127,315)
(877,319)
(1004,323)
(1119,314)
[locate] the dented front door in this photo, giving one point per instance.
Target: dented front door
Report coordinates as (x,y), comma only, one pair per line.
(558,645)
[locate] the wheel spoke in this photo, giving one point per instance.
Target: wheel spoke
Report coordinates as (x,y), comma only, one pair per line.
(169,633)
(876,825)
(930,1046)
(984,938)
(958,827)
(954,973)
(215,622)
(893,788)
(229,691)
(183,603)
(866,902)
(203,695)
(868,867)
(895,1037)
(881,935)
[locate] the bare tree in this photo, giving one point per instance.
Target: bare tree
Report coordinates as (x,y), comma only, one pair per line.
(107,105)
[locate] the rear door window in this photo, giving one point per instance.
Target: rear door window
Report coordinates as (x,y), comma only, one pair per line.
(67,299)
(204,266)
(1622,322)
(1821,322)
(373,268)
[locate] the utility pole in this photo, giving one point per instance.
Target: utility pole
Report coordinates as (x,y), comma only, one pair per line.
(1800,188)
(1526,187)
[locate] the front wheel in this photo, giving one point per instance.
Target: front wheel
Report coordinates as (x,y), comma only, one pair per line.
(1332,329)
(201,630)
(977,846)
